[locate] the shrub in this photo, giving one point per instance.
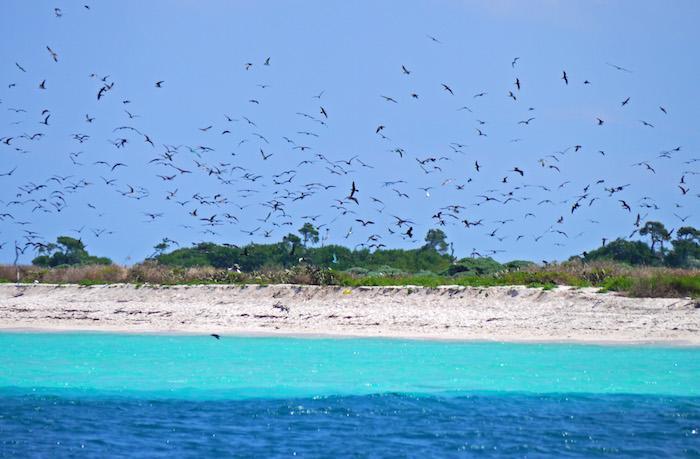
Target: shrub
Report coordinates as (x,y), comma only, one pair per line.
(478,266)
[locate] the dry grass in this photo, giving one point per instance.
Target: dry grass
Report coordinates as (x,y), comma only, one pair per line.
(8,273)
(599,270)
(105,274)
(87,274)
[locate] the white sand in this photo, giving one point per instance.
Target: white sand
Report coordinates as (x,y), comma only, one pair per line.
(465,313)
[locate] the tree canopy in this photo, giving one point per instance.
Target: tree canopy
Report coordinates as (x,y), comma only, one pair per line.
(657,232)
(309,233)
(685,252)
(67,251)
(432,256)
(437,240)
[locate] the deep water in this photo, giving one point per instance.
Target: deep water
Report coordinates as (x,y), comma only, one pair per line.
(106,395)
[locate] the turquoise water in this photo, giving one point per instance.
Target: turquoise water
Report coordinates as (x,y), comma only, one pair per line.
(234,367)
(98,394)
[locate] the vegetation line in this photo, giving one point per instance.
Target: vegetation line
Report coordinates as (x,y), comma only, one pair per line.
(632,268)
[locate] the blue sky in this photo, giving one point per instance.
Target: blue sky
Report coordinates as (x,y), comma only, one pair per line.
(353,52)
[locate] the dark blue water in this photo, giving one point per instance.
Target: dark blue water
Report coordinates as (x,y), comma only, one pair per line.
(388,425)
(107,395)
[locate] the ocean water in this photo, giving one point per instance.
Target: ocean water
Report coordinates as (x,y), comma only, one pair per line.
(110,395)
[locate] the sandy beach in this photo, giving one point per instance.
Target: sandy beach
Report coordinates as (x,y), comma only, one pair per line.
(462,313)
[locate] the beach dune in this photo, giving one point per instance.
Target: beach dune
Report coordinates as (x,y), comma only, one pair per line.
(464,313)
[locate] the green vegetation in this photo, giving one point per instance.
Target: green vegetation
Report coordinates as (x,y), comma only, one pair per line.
(67,251)
(431,258)
(309,233)
(658,284)
(685,252)
(634,253)
(476,266)
(633,268)
(292,250)
(686,249)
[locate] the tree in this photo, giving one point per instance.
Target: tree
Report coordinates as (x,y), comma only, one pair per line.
(632,252)
(688,233)
(161,247)
(291,242)
(657,233)
(67,251)
(287,252)
(437,240)
(309,233)
(686,249)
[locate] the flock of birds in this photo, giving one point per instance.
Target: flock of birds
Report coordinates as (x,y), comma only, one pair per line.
(266,181)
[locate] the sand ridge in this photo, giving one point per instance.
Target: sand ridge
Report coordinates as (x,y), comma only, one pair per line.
(448,312)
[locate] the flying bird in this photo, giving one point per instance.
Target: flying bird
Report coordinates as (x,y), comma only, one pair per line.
(351,196)
(54,56)
(617,67)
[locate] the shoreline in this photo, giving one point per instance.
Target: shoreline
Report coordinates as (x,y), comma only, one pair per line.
(342,336)
(514,314)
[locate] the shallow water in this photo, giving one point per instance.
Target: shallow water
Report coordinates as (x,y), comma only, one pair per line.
(108,394)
